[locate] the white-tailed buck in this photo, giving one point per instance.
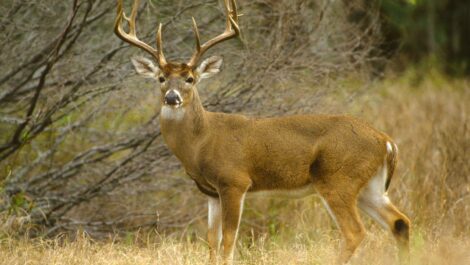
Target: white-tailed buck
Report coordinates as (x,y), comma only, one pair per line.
(347,162)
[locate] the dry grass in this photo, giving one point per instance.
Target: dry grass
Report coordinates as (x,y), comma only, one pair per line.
(378,248)
(429,121)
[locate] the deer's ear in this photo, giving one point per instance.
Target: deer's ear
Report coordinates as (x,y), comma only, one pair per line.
(145,67)
(209,67)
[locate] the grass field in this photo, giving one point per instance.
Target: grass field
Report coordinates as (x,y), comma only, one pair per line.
(378,248)
(429,120)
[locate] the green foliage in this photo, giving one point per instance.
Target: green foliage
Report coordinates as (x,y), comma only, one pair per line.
(20,203)
(427,28)
(398,13)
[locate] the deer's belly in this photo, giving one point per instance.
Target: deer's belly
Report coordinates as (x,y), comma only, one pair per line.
(292,193)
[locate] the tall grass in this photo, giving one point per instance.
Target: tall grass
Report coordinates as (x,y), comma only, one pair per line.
(376,249)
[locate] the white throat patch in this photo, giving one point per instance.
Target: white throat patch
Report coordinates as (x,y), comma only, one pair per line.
(171,113)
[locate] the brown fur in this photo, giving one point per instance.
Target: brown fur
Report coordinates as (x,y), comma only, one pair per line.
(231,154)
(176,69)
(228,155)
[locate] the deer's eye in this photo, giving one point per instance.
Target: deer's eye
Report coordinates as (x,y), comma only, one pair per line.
(189,80)
(161,79)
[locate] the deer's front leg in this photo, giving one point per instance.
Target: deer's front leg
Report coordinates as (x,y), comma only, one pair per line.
(214,231)
(231,199)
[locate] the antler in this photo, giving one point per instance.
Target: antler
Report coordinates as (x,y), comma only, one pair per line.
(231,30)
(131,37)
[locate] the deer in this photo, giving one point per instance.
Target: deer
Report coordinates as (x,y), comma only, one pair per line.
(342,159)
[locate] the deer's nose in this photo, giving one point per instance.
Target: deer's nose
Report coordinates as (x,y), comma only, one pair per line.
(173,98)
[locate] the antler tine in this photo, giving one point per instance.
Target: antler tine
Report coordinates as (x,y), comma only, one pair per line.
(232,14)
(196,35)
(234,18)
(231,30)
(131,37)
(161,57)
(131,21)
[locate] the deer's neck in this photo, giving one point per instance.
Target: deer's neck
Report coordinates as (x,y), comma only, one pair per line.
(184,128)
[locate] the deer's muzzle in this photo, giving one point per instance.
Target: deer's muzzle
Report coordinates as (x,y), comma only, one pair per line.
(173,98)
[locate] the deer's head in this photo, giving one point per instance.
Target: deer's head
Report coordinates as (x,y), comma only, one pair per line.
(177,81)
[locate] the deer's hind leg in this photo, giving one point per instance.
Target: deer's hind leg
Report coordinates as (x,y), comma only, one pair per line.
(341,203)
